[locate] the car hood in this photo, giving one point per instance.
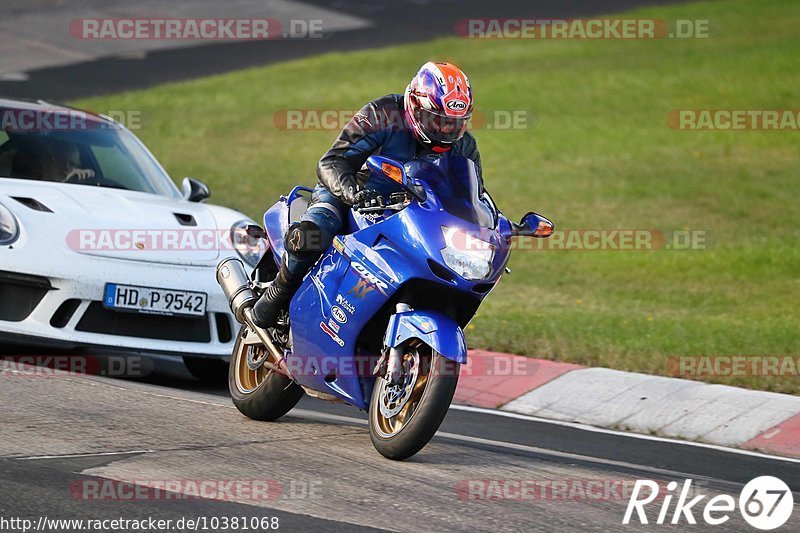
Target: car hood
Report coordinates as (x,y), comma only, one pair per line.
(114,223)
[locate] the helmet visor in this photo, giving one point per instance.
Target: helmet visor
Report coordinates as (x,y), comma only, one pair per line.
(440,127)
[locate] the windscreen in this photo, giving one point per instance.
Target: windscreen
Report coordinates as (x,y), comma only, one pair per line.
(455,182)
(103,156)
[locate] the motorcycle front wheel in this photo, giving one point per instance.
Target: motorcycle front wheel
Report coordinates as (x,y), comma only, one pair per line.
(404,417)
(259,393)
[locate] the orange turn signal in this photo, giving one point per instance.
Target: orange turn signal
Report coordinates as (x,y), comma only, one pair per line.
(392,171)
(544,229)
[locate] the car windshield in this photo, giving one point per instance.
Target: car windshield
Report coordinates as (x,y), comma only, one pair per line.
(102,155)
(457,186)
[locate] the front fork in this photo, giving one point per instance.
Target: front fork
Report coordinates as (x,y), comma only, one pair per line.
(392,358)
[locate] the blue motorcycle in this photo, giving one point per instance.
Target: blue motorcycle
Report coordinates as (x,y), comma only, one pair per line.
(378,321)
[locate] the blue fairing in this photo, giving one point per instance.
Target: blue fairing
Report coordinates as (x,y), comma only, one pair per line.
(358,280)
(276,220)
(435,329)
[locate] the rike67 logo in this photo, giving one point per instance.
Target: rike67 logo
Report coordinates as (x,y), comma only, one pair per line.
(765,503)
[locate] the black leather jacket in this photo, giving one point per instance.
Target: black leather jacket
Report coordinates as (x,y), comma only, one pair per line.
(379,128)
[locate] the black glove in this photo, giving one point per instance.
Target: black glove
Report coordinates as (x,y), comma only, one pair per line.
(368,198)
(399,197)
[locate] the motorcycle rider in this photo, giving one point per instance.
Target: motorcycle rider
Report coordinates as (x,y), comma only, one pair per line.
(429,121)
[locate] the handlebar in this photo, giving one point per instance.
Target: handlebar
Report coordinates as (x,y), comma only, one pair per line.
(398,201)
(392,207)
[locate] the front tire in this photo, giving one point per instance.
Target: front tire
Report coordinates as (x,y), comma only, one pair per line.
(260,394)
(402,422)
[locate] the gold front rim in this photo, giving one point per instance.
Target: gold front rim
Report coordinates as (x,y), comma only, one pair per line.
(388,427)
(248,380)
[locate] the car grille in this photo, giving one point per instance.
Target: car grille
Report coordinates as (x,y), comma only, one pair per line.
(20,294)
(98,319)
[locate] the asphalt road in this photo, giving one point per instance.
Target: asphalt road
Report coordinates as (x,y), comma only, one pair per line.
(62,432)
(63,436)
(43,60)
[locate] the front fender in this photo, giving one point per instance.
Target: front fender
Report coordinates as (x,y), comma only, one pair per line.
(435,329)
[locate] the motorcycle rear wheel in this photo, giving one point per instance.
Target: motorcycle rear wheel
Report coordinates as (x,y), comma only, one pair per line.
(260,394)
(409,418)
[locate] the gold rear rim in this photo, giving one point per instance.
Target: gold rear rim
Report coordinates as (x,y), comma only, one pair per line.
(247,379)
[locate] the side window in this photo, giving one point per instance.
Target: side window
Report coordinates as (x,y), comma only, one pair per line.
(116,166)
(6,155)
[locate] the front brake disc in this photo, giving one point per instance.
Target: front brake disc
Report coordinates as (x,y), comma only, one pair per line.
(394,397)
(254,359)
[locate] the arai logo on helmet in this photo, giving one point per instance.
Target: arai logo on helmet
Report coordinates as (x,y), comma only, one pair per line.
(456,105)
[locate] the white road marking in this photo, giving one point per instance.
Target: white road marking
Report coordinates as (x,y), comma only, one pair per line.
(74,455)
(143,388)
(595,429)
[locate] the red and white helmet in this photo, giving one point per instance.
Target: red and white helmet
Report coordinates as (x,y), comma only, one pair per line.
(438,104)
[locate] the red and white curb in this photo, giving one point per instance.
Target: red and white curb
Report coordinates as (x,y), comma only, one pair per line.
(668,407)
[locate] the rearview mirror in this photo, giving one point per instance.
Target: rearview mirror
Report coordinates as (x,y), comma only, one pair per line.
(533,225)
(194,190)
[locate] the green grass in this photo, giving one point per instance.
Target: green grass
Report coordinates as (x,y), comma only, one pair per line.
(598,155)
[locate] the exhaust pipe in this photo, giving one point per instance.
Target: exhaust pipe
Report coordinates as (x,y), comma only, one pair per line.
(235,283)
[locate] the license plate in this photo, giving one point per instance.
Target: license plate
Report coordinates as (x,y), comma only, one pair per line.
(154,301)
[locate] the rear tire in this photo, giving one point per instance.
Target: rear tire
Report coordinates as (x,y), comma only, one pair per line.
(262,394)
(207,370)
(401,436)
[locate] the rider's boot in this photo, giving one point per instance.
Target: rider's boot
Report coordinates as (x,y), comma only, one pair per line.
(277,296)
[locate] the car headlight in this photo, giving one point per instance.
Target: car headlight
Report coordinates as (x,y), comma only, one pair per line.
(467,256)
(250,249)
(9,228)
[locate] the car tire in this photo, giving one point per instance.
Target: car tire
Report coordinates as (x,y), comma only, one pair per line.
(207,370)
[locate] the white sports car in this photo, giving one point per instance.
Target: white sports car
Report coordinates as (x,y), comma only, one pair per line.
(98,247)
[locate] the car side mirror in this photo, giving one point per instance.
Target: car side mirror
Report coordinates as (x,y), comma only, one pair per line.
(533,225)
(194,190)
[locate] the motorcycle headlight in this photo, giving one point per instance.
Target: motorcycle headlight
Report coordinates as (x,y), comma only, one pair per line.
(467,256)
(250,249)
(9,228)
